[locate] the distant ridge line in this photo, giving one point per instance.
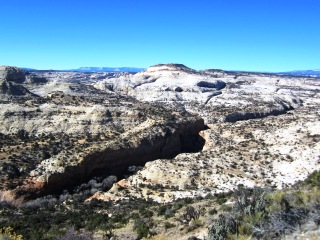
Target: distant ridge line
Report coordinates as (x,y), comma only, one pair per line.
(307,73)
(94,69)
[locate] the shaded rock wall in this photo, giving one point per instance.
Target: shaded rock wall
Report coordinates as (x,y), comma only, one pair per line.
(12,74)
(10,80)
(240,116)
(13,89)
(115,159)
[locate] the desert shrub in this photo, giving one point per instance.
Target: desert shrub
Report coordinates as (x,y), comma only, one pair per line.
(169,213)
(221,198)
(71,234)
(264,214)
(313,180)
(246,216)
(146,213)
(177,205)
(168,225)
(44,202)
(96,222)
(120,219)
(7,233)
(275,199)
(191,213)
(250,205)
(142,228)
(213,211)
(221,227)
(288,219)
(23,135)
(161,210)
(209,196)
(314,196)
(244,230)
(194,224)
(167,210)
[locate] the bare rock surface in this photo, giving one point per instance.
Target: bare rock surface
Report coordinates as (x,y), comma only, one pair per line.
(262,129)
(12,74)
(11,79)
(221,96)
(261,152)
(63,137)
(169,83)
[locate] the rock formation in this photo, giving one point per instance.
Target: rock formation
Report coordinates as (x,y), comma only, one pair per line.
(275,144)
(12,74)
(232,96)
(11,79)
(75,131)
(60,129)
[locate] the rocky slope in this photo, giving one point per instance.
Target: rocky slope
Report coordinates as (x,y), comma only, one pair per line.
(165,83)
(166,134)
(59,139)
(221,96)
(262,129)
(261,152)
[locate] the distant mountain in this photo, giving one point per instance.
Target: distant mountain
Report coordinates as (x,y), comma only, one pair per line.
(29,69)
(313,73)
(108,69)
(96,69)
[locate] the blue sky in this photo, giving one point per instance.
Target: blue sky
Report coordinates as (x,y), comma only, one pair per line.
(256,35)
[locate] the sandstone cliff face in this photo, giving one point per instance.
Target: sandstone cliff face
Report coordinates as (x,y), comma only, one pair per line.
(64,137)
(150,143)
(240,116)
(260,152)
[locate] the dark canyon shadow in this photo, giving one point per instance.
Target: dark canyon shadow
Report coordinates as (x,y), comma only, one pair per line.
(116,162)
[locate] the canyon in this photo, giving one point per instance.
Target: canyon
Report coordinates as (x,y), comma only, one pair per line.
(248,128)
(163,134)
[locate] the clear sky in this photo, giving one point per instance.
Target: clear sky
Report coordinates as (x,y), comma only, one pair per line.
(255,35)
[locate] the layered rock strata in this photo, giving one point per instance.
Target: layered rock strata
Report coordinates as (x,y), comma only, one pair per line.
(62,138)
(263,130)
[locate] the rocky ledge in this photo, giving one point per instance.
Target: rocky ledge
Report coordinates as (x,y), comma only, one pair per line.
(148,141)
(72,131)
(63,138)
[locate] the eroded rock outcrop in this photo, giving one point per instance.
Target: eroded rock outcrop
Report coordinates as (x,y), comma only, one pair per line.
(74,131)
(12,74)
(150,142)
(64,139)
(172,83)
(230,96)
(240,116)
(260,152)
(11,79)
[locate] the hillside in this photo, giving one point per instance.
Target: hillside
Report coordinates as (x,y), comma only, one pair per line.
(165,136)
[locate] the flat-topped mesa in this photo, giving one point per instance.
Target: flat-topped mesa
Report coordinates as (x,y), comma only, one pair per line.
(170,67)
